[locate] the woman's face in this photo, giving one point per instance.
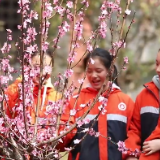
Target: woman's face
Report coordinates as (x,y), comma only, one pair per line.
(47,64)
(158,64)
(97,73)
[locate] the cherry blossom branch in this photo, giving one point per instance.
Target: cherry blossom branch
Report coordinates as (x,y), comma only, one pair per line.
(73,24)
(22,65)
(41,70)
(124,20)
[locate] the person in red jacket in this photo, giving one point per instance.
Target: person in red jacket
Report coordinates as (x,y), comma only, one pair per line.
(114,120)
(12,103)
(144,130)
(48,93)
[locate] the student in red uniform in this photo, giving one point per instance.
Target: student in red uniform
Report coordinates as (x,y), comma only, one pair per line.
(144,132)
(48,93)
(115,121)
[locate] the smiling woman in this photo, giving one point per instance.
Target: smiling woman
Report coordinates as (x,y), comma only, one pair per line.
(48,93)
(47,66)
(114,110)
(99,63)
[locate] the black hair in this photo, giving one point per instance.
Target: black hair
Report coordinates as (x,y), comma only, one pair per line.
(106,58)
(48,53)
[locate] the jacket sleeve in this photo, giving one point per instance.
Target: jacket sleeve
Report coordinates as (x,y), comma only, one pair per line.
(12,97)
(133,140)
(67,120)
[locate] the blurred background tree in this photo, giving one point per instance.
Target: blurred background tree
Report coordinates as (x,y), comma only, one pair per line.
(142,42)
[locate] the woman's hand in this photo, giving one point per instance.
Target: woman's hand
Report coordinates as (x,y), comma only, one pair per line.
(152,146)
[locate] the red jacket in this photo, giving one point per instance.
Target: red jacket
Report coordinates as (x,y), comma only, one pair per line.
(13,94)
(145,124)
(113,124)
(51,94)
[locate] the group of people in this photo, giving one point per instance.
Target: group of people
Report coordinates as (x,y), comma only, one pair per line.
(137,124)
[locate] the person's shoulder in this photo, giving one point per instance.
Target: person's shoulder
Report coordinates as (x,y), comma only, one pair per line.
(51,91)
(15,83)
(147,86)
(13,88)
(124,95)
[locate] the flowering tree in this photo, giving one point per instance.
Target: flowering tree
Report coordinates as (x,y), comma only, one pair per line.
(19,137)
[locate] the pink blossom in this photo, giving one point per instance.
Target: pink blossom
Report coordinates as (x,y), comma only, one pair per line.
(103,29)
(76,141)
(6,48)
(128,12)
(32,48)
(25,24)
(80,81)
(79,29)
(9,37)
(66,26)
(24,2)
(1,98)
(136,152)
(97,134)
(118,44)
(122,147)
(9,31)
(2,128)
(126,60)
(55,1)
(68,149)
(76,96)
(69,4)
(101,98)
(86,120)
(86,3)
(92,61)
(60,10)
(28,20)
(68,73)
(124,68)
(92,132)
(47,69)
(31,33)
(6,66)
(83,105)
(72,112)
(48,10)
(80,123)
(70,16)
(89,47)
(33,14)
(118,1)
(71,59)
(19,27)
(104,12)
(45,46)
(85,130)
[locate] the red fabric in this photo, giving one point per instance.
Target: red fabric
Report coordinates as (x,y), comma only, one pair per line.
(102,141)
(89,94)
(13,98)
(12,93)
(134,134)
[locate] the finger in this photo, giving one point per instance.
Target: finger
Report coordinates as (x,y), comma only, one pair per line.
(147,149)
(145,146)
(149,153)
(145,143)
